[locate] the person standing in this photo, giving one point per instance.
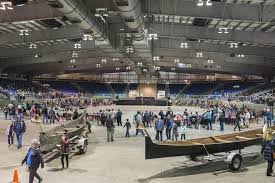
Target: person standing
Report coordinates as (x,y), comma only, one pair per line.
(118,117)
(45,114)
(34,159)
(159,128)
(75,115)
(10,133)
(268,149)
(169,126)
(268,118)
(238,121)
(138,120)
(221,119)
(6,111)
(181,131)
(161,114)
(52,115)
(208,118)
(247,117)
(147,118)
(19,129)
(128,127)
(110,128)
(65,150)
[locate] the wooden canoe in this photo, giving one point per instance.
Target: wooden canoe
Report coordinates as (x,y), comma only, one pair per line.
(49,139)
(202,146)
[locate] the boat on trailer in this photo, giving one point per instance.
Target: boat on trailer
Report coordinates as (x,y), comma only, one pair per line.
(202,146)
(49,139)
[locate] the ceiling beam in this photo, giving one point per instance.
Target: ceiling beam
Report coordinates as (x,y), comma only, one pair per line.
(224,11)
(195,32)
(31,11)
(214,47)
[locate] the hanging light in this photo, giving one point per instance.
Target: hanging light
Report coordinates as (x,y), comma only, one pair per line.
(87,37)
(209,3)
(77,46)
(128,68)
(210,61)
(72,61)
(103,60)
(200,3)
(183,45)
(234,45)
(173,69)
(6,5)
(177,61)
(156,58)
(24,32)
(199,54)
(74,54)
(152,37)
(33,46)
(98,65)
(117,68)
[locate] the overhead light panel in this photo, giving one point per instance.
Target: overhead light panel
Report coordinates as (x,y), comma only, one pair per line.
(98,65)
(177,61)
(188,65)
(240,55)
(223,30)
(129,49)
(218,66)
(72,61)
(117,68)
(157,68)
(208,3)
(173,69)
(115,59)
(144,70)
(128,68)
(200,3)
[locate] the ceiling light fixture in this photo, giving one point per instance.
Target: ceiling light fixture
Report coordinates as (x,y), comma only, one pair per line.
(6,5)
(234,45)
(129,49)
(208,3)
(24,32)
(240,55)
(33,46)
(87,37)
(177,61)
(103,60)
(200,3)
(98,65)
(156,58)
(117,68)
(173,69)
(72,61)
(77,46)
(144,70)
(218,66)
(183,45)
(199,55)
(74,54)
(210,61)
(115,59)
(188,65)
(223,30)
(139,64)
(153,37)
(157,68)
(128,68)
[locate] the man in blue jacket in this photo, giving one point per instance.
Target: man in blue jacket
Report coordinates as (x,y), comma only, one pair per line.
(159,128)
(268,117)
(19,129)
(208,118)
(169,126)
(33,159)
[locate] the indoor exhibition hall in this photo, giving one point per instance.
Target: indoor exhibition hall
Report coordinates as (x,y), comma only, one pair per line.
(137,91)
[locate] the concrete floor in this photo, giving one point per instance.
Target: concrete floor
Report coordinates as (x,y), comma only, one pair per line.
(123,160)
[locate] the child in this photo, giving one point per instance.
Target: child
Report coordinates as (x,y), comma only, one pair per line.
(128,126)
(175,132)
(181,131)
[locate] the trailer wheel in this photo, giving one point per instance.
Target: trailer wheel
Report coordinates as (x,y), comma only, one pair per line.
(84,149)
(236,162)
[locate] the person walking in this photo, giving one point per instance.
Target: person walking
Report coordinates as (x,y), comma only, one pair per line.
(65,150)
(238,121)
(159,128)
(110,128)
(128,127)
(119,117)
(268,151)
(19,129)
(169,126)
(34,159)
(10,133)
(6,111)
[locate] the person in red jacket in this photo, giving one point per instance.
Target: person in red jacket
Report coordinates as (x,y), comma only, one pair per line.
(65,150)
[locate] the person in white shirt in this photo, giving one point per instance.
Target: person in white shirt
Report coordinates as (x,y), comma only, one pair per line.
(181,131)
(247,117)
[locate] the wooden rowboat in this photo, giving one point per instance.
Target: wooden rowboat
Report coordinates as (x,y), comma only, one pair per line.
(202,146)
(49,139)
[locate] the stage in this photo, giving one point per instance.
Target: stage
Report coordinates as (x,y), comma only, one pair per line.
(147,101)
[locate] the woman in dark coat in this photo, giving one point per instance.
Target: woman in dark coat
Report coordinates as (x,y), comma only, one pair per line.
(65,150)
(268,148)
